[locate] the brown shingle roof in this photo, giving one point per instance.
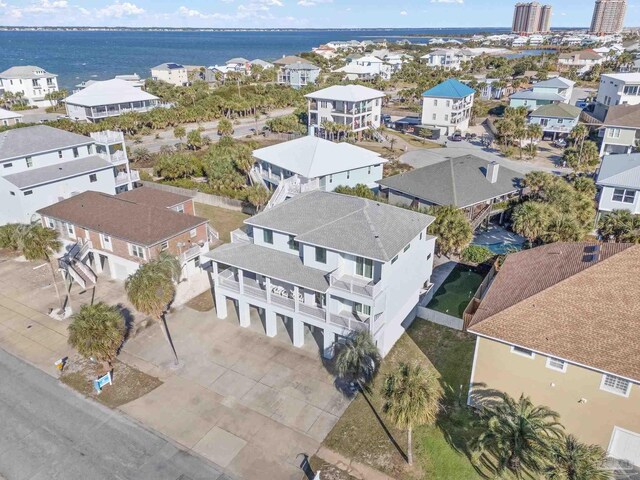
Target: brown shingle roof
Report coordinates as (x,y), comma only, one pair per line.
(154,197)
(584,55)
(568,301)
(623,116)
(134,222)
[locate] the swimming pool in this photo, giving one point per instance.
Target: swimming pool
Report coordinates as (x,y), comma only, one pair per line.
(504,247)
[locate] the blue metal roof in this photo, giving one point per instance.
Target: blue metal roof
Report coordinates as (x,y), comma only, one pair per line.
(452,88)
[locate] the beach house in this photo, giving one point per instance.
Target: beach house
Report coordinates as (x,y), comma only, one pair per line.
(172,73)
(582,61)
(366,68)
(355,106)
(298,74)
(618,183)
(616,89)
(447,107)
(556,119)
(31,83)
(448,58)
(326,264)
(42,165)
(8,118)
(620,132)
(555,90)
(110,98)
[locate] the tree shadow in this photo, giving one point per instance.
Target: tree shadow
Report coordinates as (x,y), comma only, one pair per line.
(129,319)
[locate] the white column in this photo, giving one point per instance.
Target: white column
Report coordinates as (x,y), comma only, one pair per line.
(97,264)
(216,278)
(268,288)
(244,313)
(221,305)
(296,300)
(328,342)
(270,322)
(241,281)
(298,333)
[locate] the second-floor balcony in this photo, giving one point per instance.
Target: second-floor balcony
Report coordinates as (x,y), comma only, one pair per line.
(123,178)
(116,158)
(108,137)
(355,285)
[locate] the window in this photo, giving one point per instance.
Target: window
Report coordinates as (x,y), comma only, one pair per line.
(7,165)
(448,103)
(13,194)
(362,309)
(616,385)
(614,133)
(196,262)
(560,121)
(348,174)
(59,153)
(556,364)
(394,259)
(180,208)
(28,192)
(137,251)
(364,267)
(446,117)
(193,232)
(51,223)
(369,171)
(164,246)
(522,351)
(29,161)
(632,90)
(323,104)
(435,103)
(76,154)
(434,117)
(267,236)
(625,196)
(105,240)
(293,245)
(70,230)
(321,255)
(93,178)
(330,178)
(407,247)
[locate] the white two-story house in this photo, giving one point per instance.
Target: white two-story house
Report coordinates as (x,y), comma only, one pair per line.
(448,58)
(326,263)
(172,73)
(366,68)
(356,106)
(618,183)
(448,107)
(312,163)
(40,166)
(33,83)
(616,89)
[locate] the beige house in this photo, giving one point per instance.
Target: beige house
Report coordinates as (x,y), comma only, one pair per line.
(560,324)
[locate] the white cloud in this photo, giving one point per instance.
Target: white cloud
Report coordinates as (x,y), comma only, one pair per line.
(312,3)
(37,8)
(119,10)
(447,1)
(403,13)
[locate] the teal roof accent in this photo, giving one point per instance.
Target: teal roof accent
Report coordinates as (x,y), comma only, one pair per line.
(452,88)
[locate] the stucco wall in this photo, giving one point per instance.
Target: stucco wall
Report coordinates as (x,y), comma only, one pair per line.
(591,421)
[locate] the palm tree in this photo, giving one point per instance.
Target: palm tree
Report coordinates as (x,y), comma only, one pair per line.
(179,132)
(452,229)
(620,226)
(530,219)
(573,460)
(38,243)
(412,398)
(535,131)
(97,331)
(150,289)
(358,359)
(258,196)
(518,435)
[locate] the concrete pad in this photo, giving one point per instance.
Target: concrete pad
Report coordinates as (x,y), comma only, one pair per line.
(252,462)
(322,426)
(220,446)
(262,398)
(295,413)
(280,441)
(252,366)
(241,421)
(185,427)
(232,384)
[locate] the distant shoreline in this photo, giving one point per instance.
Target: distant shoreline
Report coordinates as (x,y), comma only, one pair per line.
(478,30)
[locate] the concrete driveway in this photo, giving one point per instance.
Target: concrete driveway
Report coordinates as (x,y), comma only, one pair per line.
(248,403)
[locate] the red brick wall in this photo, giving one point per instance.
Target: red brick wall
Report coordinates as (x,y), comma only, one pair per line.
(188,206)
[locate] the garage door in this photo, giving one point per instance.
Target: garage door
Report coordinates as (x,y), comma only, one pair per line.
(625,445)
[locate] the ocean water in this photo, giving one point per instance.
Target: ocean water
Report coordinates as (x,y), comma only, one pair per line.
(84,55)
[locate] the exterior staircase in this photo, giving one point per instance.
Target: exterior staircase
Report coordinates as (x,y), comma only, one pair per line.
(72,264)
(287,188)
(477,220)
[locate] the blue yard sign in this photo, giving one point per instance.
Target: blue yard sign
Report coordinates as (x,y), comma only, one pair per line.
(102,381)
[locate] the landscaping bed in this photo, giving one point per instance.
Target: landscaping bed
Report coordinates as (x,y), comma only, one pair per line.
(202,302)
(458,289)
(129,383)
(441,451)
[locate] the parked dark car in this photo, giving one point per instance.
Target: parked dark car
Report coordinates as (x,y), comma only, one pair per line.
(456,137)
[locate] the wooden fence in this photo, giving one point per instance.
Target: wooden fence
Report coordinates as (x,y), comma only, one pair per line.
(206,198)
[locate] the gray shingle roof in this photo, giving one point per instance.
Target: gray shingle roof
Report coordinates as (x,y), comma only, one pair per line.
(347,224)
(51,173)
(620,171)
(458,181)
(272,263)
(531,95)
(26,72)
(21,142)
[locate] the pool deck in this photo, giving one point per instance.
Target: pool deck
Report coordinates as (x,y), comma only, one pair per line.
(498,236)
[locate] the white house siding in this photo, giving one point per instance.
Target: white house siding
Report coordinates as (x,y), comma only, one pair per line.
(34,94)
(176,76)
(607,204)
(77,112)
(334,111)
(439,113)
(50,193)
(350,178)
(611,92)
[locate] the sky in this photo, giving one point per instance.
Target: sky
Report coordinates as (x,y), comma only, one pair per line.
(289,13)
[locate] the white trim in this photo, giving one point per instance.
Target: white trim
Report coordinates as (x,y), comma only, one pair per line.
(514,349)
(613,433)
(106,245)
(551,367)
(504,342)
(604,388)
(473,368)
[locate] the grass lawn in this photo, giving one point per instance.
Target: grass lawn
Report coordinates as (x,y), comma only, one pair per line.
(413,141)
(222,219)
(440,452)
(456,292)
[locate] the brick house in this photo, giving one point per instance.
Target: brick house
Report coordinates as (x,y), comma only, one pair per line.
(114,234)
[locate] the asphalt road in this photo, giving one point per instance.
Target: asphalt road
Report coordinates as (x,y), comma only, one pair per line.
(48,432)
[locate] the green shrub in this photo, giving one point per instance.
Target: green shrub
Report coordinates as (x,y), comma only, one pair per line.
(476,254)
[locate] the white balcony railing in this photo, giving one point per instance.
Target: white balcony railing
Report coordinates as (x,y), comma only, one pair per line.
(124,177)
(108,137)
(355,285)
